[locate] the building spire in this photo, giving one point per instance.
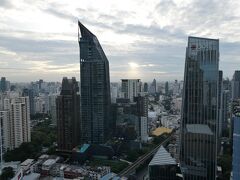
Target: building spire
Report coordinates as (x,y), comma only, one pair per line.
(83,31)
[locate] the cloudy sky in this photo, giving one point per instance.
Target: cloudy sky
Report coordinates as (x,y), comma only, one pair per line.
(142,38)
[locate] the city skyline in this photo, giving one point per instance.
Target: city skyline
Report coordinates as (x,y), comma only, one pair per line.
(138,39)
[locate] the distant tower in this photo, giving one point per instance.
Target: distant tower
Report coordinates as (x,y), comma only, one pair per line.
(145,87)
(95,88)
(131,88)
(68,115)
(3,84)
(236,85)
(153,87)
(199,121)
(166,88)
(30,94)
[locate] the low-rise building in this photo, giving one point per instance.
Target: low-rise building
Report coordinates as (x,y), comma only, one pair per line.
(162,166)
(27,166)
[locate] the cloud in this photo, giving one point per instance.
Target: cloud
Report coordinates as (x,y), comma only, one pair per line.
(60,14)
(5,4)
(41,36)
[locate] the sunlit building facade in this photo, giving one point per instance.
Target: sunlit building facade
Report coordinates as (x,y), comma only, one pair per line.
(199,121)
(131,88)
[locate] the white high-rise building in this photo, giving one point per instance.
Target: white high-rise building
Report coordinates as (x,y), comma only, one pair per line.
(114,93)
(5,129)
(52,107)
(131,88)
(4,133)
(39,105)
(20,118)
(15,123)
(144,129)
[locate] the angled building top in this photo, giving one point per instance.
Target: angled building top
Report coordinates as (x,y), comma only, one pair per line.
(84,32)
(162,157)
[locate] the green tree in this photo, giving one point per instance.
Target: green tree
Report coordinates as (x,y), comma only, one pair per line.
(43,135)
(225,162)
(7,173)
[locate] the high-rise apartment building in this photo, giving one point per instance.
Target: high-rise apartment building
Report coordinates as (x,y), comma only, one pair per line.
(145,87)
(20,120)
(15,122)
(114,92)
(131,88)
(199,121)
(142,114)
(95,88)
(4,133)
(53,108)
(236,85)
(68,115)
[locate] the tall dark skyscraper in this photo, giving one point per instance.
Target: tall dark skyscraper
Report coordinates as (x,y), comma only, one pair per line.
(236,85)
(95,88)
(3,84)
(199,122)
(142,114)
(145,87)
(166,88)
(68,115)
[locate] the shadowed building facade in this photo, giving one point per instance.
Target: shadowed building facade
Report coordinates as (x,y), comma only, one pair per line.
(68,115)
(236,85)
(199,122)
(236,143)
(95,88)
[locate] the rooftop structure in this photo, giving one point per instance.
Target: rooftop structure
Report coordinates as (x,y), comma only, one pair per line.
(162,157)
(161,130)
(199,129)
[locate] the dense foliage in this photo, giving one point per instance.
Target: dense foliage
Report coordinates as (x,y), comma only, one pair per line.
(7,173)
(42,135)
(225,161)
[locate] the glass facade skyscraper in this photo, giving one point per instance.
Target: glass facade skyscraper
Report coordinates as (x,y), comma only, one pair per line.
(236,147)
(199,121)
(236,85)
(95,88)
